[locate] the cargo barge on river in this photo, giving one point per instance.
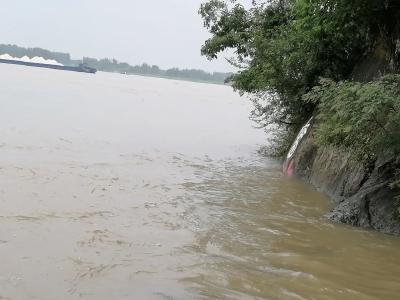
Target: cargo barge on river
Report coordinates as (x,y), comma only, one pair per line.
(83,68)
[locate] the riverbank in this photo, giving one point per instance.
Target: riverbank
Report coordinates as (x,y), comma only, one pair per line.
(114,66)
(312,58)
(362,194)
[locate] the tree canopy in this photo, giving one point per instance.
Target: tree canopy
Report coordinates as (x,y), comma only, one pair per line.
(283,47)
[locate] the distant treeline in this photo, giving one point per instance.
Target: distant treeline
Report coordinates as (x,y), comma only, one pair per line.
(112,65)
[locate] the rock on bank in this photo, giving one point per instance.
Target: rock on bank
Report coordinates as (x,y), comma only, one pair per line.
(362,195)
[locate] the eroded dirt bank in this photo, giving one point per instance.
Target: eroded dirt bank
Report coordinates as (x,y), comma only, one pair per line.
(362,194)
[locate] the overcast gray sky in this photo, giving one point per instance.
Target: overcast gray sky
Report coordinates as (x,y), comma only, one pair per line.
(163,32)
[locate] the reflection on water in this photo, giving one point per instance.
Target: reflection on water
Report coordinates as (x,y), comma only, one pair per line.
(122,187)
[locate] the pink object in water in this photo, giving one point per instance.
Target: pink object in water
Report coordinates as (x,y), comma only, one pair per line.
(289,172)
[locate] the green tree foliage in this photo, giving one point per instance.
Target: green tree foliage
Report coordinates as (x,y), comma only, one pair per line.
(364,117)
(283,47)
(112,65)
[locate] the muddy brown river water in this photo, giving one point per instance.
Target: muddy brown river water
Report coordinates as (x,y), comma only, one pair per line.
(126,187)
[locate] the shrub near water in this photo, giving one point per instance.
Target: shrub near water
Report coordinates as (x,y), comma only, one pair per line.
(362,117)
